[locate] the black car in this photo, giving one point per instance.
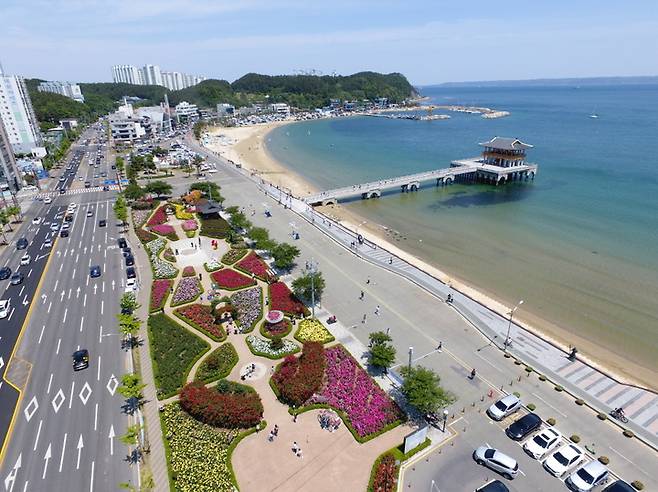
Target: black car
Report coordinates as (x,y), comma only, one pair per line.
(102,223)
(130,260)
(130,272)
(62,191)
(106,188)
(21,243)
(87,184)
(619,486)
(493,486)
(5,273)
(523,426)
(127,251)
(122,243)
(95,271)
(64,233)
(17,278)
(80,359)
(113,166)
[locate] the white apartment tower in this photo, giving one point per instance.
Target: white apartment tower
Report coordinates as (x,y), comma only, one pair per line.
(9,174)
(17,115)
(152,75)
(72,91)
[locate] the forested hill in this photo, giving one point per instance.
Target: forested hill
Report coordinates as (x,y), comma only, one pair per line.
(301,91)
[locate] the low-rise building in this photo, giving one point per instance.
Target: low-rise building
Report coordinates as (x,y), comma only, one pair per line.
(280,108)
(186,111)
(225,109)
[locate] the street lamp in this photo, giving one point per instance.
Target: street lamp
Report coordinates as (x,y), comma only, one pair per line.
(411,353)
(445,418)
(312,269)
(509,326)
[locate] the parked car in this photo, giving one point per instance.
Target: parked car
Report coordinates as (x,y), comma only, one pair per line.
(619,486)
(563,460)
(5,273)
(123,243)
(36,221)
(25,260)
(5,304)
(504,407)
(127,251)
(130,260)
(493,486)
(47,200)
(87,184)
(48,243)
(131,285)
(64,233)
(542,443)
(17,278)
(95,271)
(90,213)
(497,461)
(130,272)
(54,226)
(523,426)
(80,359)
(21,243)
(102,223)
(587,476)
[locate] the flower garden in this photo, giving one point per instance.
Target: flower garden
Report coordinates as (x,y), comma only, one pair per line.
(200,316)
(280,329)
(264,348)
(159,292)
(249,306)
(228,279)
(212,265)
(166,231)
(187,290)
(254,264)
(217,364)
(311,330)
(282,299)
(233,255)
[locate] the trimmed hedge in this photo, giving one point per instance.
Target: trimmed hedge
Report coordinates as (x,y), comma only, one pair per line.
(233,255)
(174,350)
(216,228)
(218,364)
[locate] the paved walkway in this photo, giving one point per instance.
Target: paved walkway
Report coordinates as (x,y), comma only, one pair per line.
(599,390)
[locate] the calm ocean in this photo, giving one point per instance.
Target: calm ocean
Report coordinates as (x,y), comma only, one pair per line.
(579,244)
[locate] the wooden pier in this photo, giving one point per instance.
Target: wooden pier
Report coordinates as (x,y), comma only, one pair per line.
(503,160)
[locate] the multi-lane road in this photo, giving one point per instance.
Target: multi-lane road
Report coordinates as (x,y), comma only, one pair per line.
(61,432)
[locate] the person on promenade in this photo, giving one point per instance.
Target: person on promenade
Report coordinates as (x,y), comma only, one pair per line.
(364,319)
(295,447)
(472,376)
(377,310)
(390,260)
(368,281)
(362,295)
(439,346)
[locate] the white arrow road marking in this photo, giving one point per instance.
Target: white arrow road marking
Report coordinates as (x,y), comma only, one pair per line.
(31,408)
(111,437)
(61,296)
(112,284)
(11,478)
(2,362)
(112,384)
(59,399)
(25,301)
(46,457)
(80,446)
(77,292)
(85,393)
(61,459)
(36,441)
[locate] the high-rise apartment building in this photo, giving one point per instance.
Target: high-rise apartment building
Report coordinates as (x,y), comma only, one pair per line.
(128,74)
(72,91)
(18,116)
(152,75)
(9,174)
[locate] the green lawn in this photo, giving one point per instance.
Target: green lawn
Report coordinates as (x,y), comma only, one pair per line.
(218,364)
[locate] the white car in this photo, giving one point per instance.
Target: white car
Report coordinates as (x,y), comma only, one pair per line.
(25,260)
(73,206)
(542,443)
(563,459)
(5,304)
(587,476)
(37,220)
(131,285)
(90,213)
(504,407)
(47,200)
(54,226)
(494,459)
(48,243)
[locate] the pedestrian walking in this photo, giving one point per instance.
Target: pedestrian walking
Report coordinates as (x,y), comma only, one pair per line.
(270,437)
(294,418)
(192,244)
(368,281)
(276,430)
(364,319)
(472,376)
(377,310)
(199,240)
(439,346)
(390,260)
(299,453)
(361,296)
(176,252)
(295,447)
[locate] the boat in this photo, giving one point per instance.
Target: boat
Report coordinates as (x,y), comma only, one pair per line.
(593,115)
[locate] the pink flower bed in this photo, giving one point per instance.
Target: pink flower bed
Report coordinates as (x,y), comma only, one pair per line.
(253,263)
(231,280)
(188,271)
(349,388)
(163,229)
(282,299)
(159,217)
(159,291)
(190,225)
(201,317)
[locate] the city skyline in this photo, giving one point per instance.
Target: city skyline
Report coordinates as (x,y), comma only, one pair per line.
(150,74)
(225,40)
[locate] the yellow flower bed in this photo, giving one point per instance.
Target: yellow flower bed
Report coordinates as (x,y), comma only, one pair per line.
(181,213)
(311,330)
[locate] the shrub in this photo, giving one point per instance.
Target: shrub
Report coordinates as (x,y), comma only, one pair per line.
(602,416)
(528,369)
(517,394)
(282,299)
(542,377)
(229,410)
(253,264)
(174,350)
(228,279)
(189,271)
(249,306)
(312,330)
(531,407)
(280,329)
(559,388)
(212,265)
(233,255)
(385,474)
(216,228)
(187,290)
(637,485)
(628,433)
(159,292)
(550,421)
(189,225)
(575,438)
(218,364)
(604,460)
(517,362)
(297,378)
(201,317)
(580,402)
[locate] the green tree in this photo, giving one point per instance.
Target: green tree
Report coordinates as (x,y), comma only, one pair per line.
(422,389)
(129,302)
(15,211)
(261,238)
(382,353)
(304,286)
(160,152)
(133,191)
(196,162)
(158,188)
(379,337)
(131,437)
(239,221)
(131,387)
(210,189)
(120,164)
(129,326)
(284,255)
(121,210)
(4,220)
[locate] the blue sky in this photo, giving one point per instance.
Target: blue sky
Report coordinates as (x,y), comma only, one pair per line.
(429,41)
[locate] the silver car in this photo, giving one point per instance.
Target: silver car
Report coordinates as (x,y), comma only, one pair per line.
(504,407)
(497,461)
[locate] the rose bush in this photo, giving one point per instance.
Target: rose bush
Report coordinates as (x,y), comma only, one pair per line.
(261,347)
(249,306)
(253,263)
(239,407)
(159,292)
(311,330)
(228,279)
(201,317)
(187,290)
(282,299)
(298,378)
(189,271)
(233,255)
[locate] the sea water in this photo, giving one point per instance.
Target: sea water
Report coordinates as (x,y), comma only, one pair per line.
(579,244)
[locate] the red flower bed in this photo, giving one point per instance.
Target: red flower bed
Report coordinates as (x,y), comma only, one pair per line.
(280,329)
(159,291)
(252,263)
(297,378)
(159,217)
(282,299)
(237,408)
(201,318)
(386,475)
(188,271)
(231,280)
(145,236)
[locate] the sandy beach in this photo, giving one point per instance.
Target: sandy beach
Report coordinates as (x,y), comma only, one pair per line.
(246,146)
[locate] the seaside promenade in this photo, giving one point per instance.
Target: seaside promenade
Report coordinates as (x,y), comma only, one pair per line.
(412,307)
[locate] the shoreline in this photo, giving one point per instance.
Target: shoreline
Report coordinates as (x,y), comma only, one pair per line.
(246,146)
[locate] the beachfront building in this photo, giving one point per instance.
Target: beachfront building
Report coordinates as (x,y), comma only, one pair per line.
(225,109)
(280,108)
(186,111)
(504,152)
(18,115)
(66,89)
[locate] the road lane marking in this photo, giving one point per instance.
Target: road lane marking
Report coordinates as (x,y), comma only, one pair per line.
(82,320)
(56,282)
(102,304)
(50,305)
(29,273)
(50,382)
(71,396)
(100,334)
(98,373)
(36,441)
(61,459)
(65,312)
(59,341)
(60,267)
(96,417)
(77,257)
(41,334)
(540,398)
(91,480)
(84,301)
(21,292)
(103,288)
(11,314)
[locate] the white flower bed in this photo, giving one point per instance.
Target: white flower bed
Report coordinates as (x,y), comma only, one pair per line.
(163,269)
(263,346)
(154,247)
(213,265)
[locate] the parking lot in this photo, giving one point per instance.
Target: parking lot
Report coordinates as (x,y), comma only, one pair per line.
(452,467)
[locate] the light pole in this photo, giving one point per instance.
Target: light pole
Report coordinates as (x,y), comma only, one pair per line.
(445,418)
(312,269)
(411,353)
(509,326)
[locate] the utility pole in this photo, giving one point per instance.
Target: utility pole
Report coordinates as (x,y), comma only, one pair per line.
(509,326)
(312,269)
(411,353)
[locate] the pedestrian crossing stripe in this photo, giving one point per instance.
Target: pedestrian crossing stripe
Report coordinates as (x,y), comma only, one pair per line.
(76,191)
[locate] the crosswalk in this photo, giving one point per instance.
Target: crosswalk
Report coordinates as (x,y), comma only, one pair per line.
(75,191)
